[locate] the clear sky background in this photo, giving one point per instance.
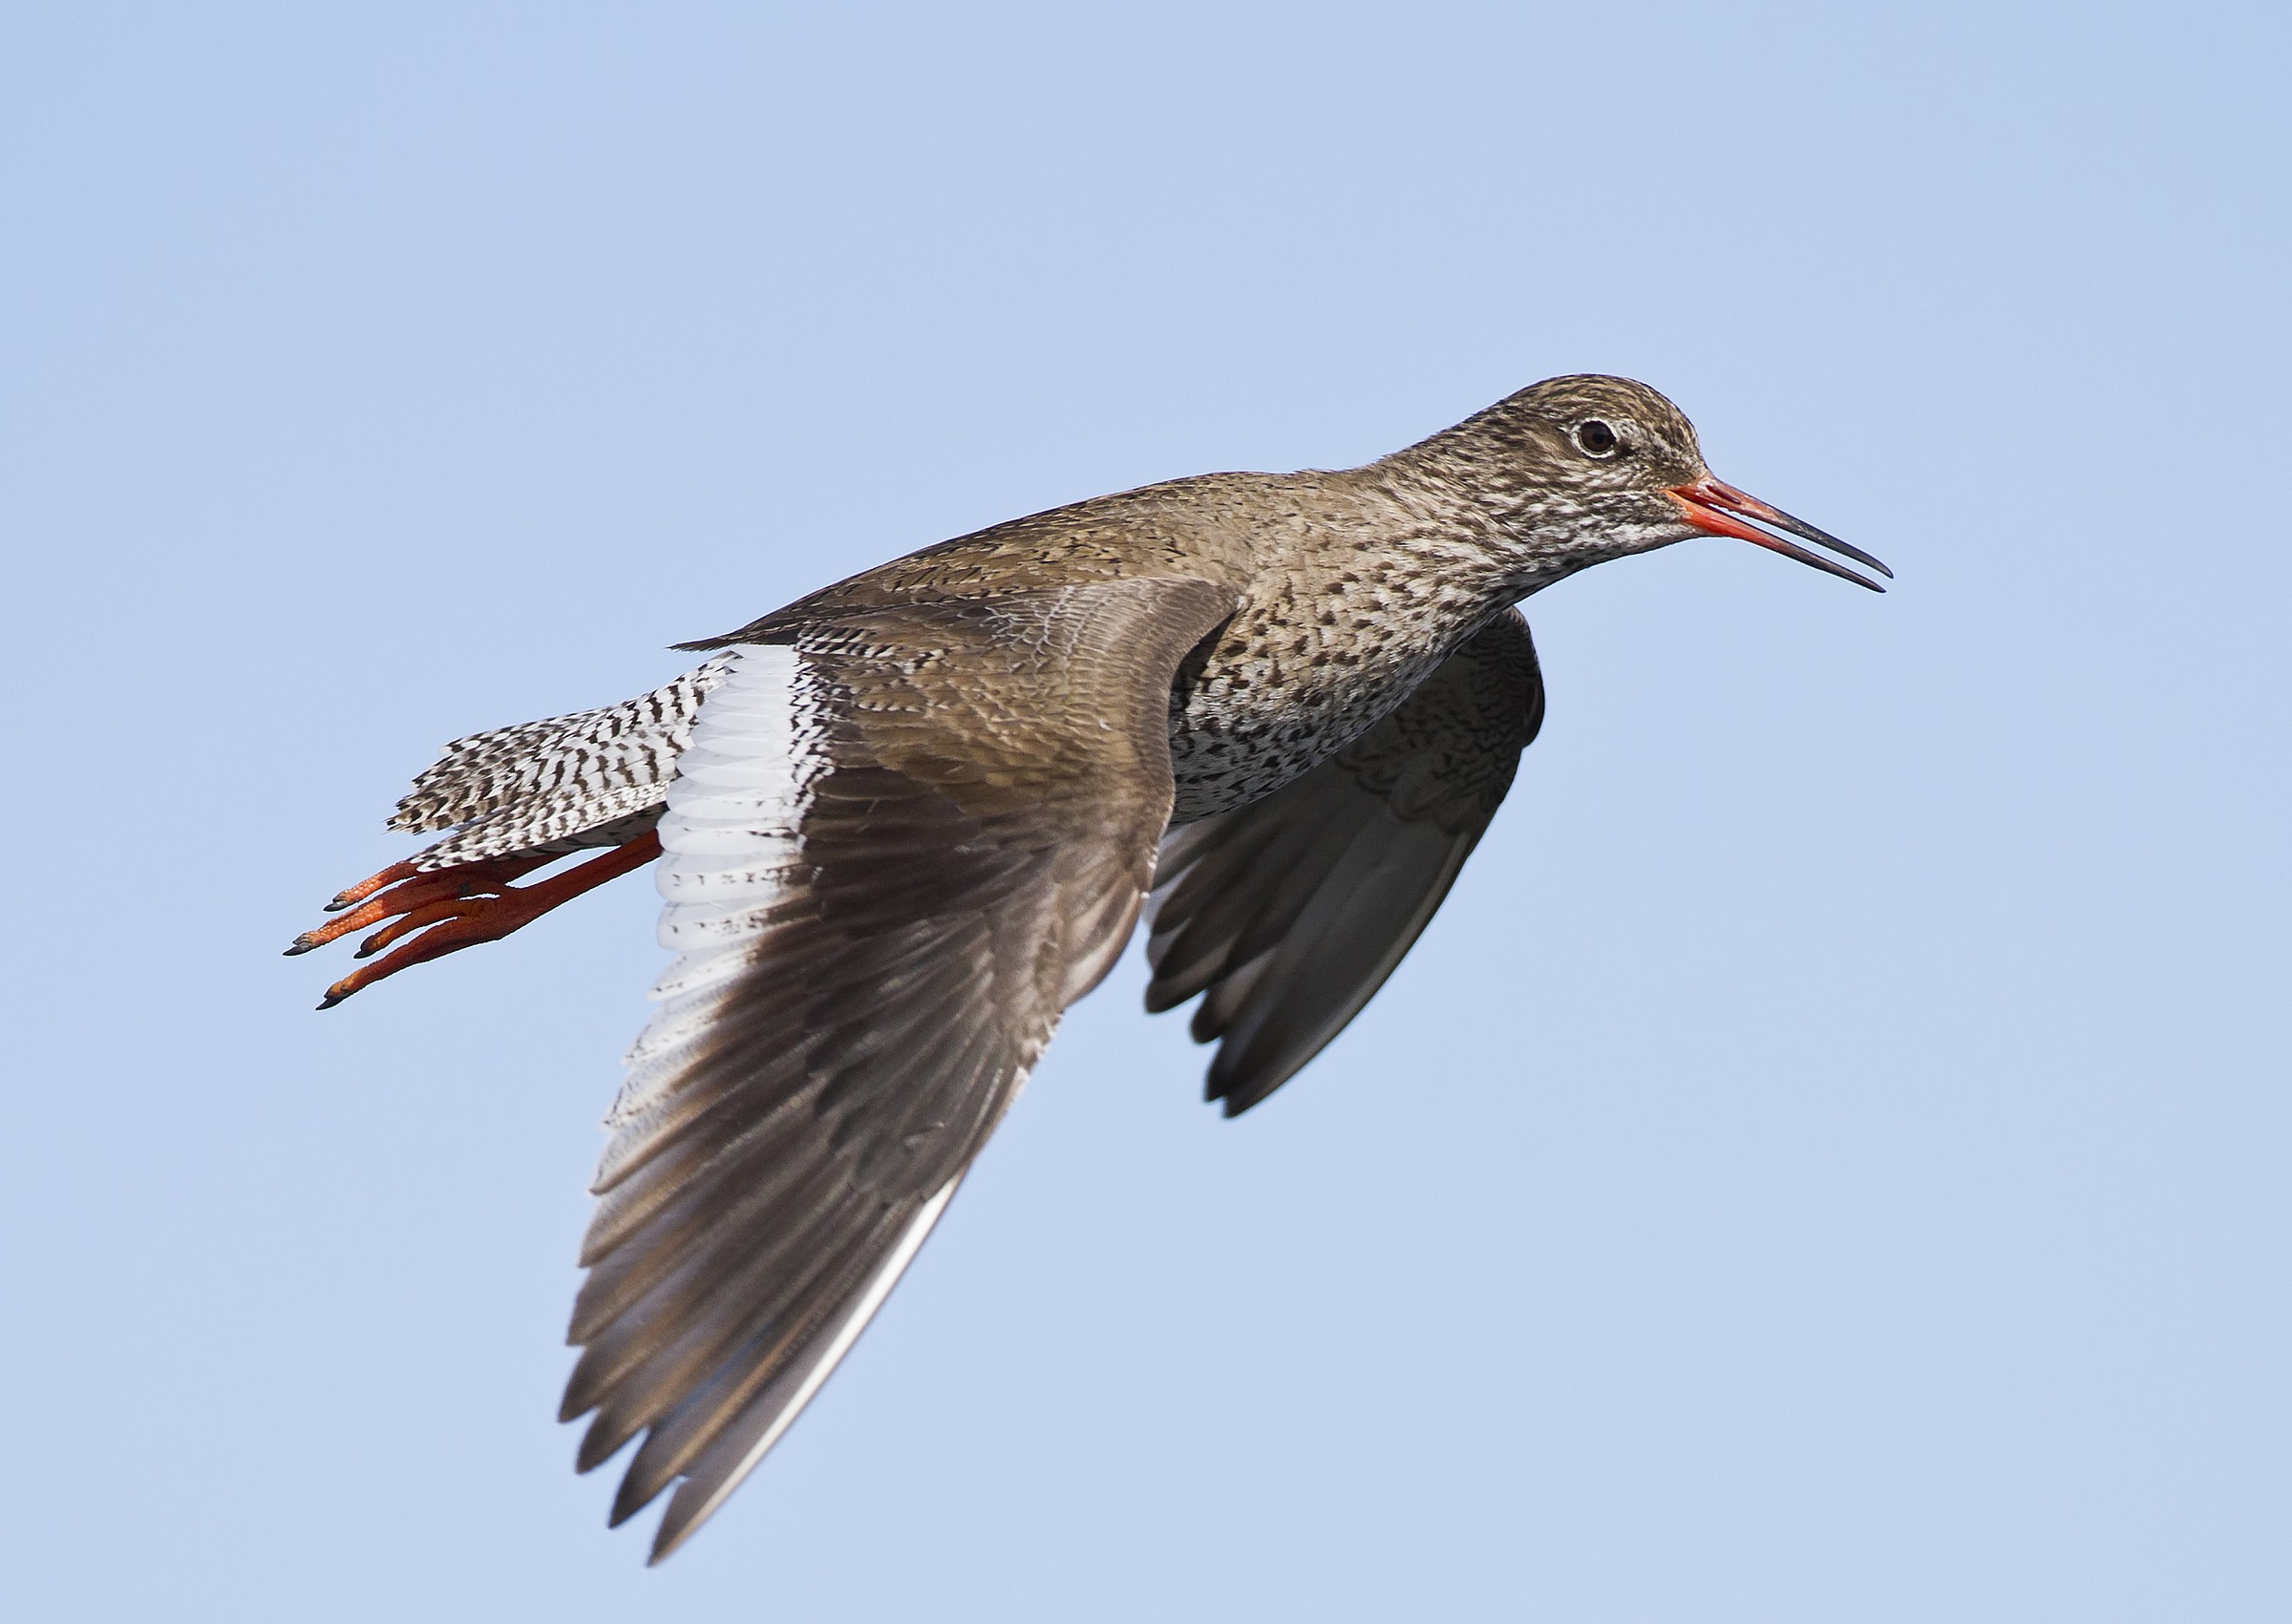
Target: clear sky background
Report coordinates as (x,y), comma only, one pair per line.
(1828,1160)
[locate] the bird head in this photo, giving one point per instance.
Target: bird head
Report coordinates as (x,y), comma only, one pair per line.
(1593,466)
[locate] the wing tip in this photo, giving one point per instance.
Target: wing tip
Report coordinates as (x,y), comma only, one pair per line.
(696,1497)
(1234,1096)
(669,1537)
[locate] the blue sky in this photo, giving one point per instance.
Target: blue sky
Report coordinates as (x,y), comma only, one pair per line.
(1825,1162)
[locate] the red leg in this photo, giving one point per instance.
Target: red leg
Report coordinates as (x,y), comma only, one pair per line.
(403,887)
(365,888)
(443,910)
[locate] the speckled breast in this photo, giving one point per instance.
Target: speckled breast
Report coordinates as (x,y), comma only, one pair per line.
(1277,695)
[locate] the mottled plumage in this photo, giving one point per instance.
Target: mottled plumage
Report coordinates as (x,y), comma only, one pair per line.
(909,819)
(594,772)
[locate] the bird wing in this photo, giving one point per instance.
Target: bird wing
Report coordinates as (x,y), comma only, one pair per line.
(1290,911)
(902,838)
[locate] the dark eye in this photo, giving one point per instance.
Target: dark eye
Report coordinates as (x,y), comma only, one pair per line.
(1596,438)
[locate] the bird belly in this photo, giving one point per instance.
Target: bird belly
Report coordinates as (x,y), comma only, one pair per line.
(1240,729)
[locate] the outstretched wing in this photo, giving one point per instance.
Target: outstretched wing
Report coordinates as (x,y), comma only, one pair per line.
(1290,911)
(901,841)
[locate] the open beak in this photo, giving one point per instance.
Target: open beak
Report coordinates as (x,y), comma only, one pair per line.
(1713,504)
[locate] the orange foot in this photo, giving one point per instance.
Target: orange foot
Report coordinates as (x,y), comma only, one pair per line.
(446,909)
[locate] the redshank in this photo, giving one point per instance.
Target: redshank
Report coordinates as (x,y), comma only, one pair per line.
(907,820)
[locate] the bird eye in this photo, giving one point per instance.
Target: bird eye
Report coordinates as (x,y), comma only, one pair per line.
(1596,438)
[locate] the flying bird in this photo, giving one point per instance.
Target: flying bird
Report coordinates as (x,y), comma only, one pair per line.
(904,822)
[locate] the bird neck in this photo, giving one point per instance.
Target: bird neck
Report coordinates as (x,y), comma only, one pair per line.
(1480,485)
